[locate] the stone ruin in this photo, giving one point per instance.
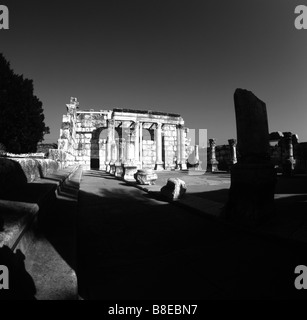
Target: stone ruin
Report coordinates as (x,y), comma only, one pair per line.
(253,177)
(113,139)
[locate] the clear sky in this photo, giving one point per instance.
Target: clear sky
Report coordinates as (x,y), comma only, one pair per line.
(185,57)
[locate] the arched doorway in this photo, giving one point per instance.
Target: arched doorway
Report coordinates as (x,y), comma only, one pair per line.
(98,149)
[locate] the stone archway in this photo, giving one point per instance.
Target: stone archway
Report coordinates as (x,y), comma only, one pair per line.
(98,149)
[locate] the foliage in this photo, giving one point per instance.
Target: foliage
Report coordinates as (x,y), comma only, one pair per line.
(21,114)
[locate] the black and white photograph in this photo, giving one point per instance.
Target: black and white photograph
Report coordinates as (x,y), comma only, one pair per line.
(153,153)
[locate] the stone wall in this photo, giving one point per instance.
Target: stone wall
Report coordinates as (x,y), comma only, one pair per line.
(278,154)
(63,158)
(149,154)
(170,144)
(300,156)
(45,147)
(14,172)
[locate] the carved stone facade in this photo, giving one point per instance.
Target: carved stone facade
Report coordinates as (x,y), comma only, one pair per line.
(124,137)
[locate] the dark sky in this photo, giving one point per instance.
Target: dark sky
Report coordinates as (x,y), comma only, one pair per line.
(185,57)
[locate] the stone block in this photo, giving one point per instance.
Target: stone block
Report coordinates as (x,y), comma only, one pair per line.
(146,177)
(174,189)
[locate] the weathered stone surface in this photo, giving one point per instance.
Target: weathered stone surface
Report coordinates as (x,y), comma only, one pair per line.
(253,178)
(119,170)
(252,127)
(174,189)
(148,137)
(146,177)
(129,172)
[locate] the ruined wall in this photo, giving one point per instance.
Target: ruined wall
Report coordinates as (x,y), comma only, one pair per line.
(67,138)
(300,155)
(149,154)
(170,145)
(88,137)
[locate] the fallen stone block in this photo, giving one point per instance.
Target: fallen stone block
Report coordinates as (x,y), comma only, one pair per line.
(147,176)
(174,189)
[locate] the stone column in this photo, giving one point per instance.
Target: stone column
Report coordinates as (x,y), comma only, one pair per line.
(159,162)
(137,143)
(288,163)
(109,145)
(253,178)
(178,153)
(183,165)
(196,153)
(141,145)
(233,151)
(212,163)
(121,149)
(197,160)
(125,146)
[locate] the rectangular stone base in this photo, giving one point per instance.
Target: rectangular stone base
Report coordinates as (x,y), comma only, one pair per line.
(159,166)
(183,166)
(112,169)
(129,172)
(119,171)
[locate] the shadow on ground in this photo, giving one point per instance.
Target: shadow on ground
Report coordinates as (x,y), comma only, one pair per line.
(132,246)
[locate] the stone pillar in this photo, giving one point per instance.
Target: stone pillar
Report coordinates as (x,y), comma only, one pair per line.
(141,145)
(137,143)
(159,162)
(196,155)
(233,151)
(121,150)
(126,142)
(183,164)
(109,145)
(288,163)
(178,153)
(253,178)
(213,163)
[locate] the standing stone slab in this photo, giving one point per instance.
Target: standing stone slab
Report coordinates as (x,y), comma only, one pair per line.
(252,128)
(253,178)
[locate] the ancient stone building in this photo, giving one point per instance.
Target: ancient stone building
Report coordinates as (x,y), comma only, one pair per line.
(146,139)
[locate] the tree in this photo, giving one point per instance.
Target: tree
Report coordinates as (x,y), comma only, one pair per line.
(21,114)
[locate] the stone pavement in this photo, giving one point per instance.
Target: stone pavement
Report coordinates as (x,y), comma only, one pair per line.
(133,245)
(208,193)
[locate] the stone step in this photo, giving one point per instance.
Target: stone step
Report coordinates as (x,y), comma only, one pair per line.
(19,209)
(53,257)
(29,231)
